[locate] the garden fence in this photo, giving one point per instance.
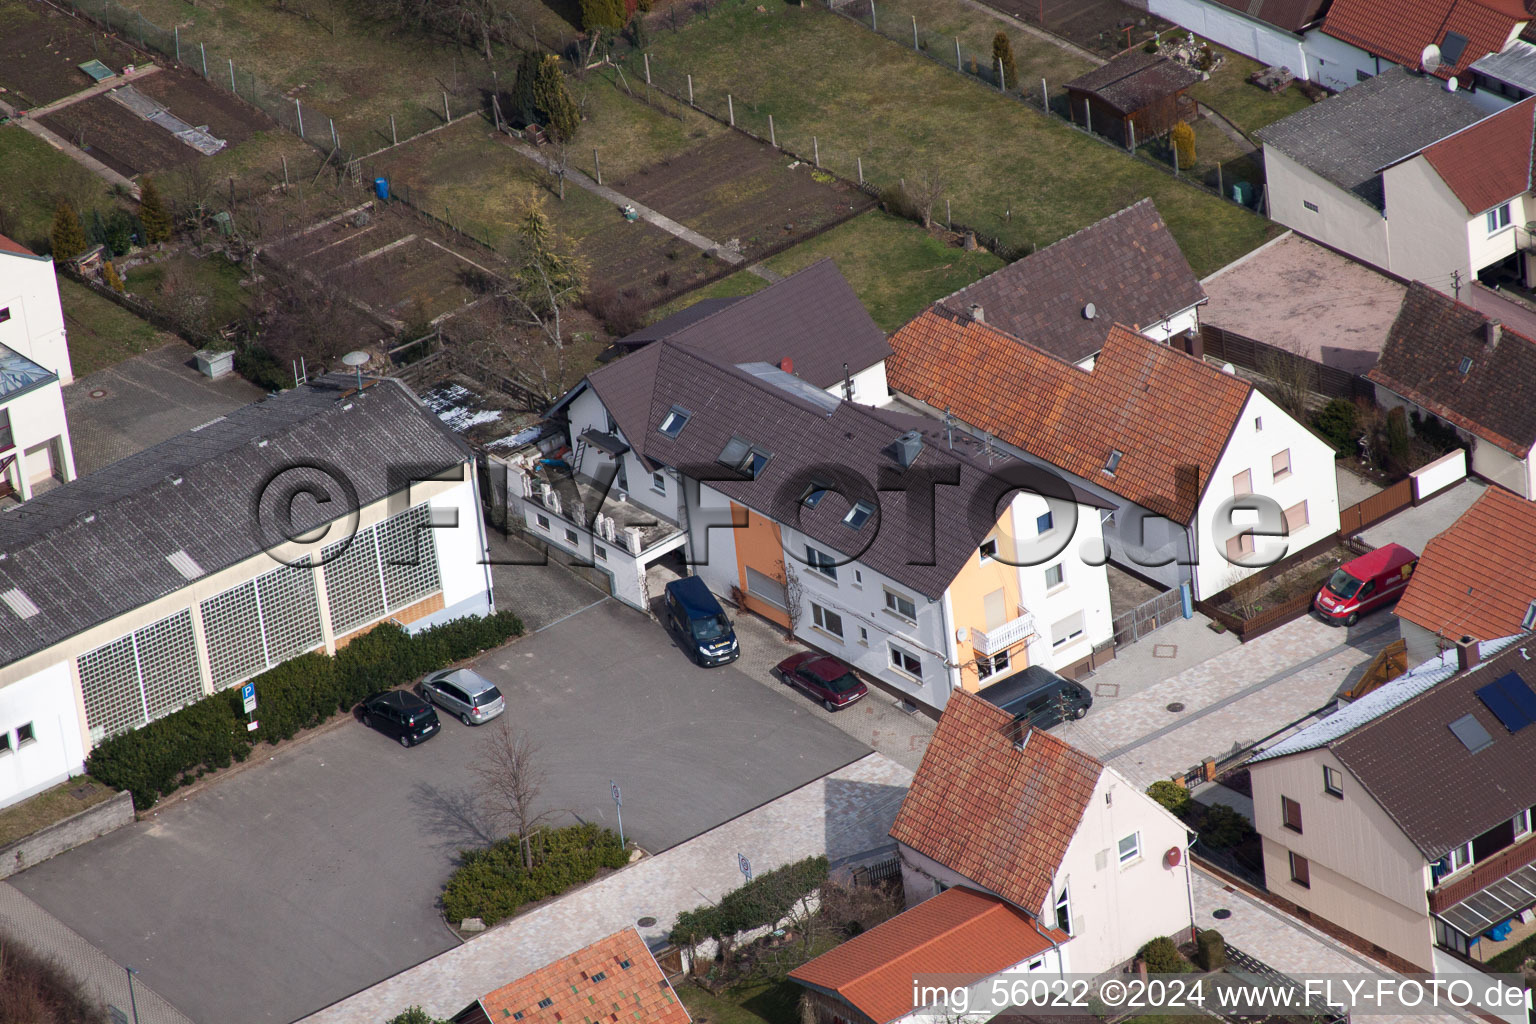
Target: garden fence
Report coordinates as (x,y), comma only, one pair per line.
(1271,360)
(1131,626)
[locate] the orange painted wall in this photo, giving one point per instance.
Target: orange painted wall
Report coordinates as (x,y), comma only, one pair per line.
(967,599)
(760,547)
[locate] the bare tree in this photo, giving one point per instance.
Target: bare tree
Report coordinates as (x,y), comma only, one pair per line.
(1294,378)
(514,778)
(925,195)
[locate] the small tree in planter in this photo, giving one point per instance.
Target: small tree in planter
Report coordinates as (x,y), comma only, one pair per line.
(1163,957)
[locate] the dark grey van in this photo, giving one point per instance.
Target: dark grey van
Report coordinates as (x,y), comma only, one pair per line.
(1039,696)
(699,621)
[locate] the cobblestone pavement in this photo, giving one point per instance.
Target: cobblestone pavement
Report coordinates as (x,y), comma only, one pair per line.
(100,976)
(875,720)
(1289,945)
(1228,701)
(123,409)
(1162,654)
(845,815)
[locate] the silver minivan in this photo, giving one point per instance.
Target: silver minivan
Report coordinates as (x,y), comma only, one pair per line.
(465,694)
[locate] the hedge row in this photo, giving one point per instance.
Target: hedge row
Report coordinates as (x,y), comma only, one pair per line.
(173,751)
(492,884)
(761,903)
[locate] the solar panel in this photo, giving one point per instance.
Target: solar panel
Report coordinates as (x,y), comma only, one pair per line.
(1519,692)
(1502,707)
(1471,733)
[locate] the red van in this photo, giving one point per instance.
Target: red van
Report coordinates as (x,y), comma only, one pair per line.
(1365,584)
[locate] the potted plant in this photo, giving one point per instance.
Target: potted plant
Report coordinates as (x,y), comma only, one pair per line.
(217,358)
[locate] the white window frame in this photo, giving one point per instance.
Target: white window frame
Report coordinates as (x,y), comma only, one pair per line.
(1459,859)
(1131,856)
(659,482)
(988,666)
(1059,571)
(821,563)
(600,552)
(1305,514)
(988,550)
(5,743)
(893,602)
(1522,822)
(1064,908)
(1049,516)
(541,520)
(1498,219)
(1073,636)
(898,658)
(1329,786)
(571,536)
(827,620)
(1280,473)
(30,729)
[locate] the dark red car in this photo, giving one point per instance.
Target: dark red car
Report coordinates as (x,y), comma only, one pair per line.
(823,677)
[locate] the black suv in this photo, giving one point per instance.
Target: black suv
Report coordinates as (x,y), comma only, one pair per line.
(401,714)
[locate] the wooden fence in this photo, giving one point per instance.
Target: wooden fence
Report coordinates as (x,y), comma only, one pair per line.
(1376,508)
(1277,615)
(1272,361)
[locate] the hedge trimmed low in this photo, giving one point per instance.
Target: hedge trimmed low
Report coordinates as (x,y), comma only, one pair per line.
(492,884)
(301,693)
(761,903)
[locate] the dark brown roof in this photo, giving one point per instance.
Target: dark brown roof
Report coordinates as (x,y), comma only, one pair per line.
(1134,81)
(1290,15)
(666,327)
(1128,265)
(997,815)
(1422,359)
(812,317)
(813,434)
(1439,792)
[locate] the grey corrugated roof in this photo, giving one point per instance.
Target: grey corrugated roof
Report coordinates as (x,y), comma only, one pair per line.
(1348,139)
(1515,64)
(812,317)
(97,547)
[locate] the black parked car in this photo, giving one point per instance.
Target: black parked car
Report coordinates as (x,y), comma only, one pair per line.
(401,714)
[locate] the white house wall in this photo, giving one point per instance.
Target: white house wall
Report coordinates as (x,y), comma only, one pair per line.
(1489,461)
(1259,40)
(461,555)
(38,419)
(1085,580)
(1262,431)
(1116,908)
(1337,65)
(1485,249)
(869,387)
(29,289)
(1429,235)
(1341,220)
(46,701)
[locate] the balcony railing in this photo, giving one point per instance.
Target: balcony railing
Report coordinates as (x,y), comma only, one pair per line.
(1004,636)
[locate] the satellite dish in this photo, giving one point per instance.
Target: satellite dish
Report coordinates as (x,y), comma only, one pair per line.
(1451,85)
(1090,311)
(1429,58)
(357,360)
(1229,368)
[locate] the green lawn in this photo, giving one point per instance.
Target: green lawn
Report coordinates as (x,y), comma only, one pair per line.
(894,266)
(1245,105)
(215,279)
(1009,170)
(102,333)
(629,134)
(33,177)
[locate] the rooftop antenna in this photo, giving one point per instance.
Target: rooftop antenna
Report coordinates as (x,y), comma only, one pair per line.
(949,428)
(847,385)
(357,360)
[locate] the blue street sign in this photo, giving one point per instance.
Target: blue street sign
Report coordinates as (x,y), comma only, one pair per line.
(618,799)
(248,697)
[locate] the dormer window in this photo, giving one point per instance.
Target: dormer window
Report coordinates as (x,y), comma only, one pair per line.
(1113,462)
(745,457)
(674,422)
(858,515)
(813,494)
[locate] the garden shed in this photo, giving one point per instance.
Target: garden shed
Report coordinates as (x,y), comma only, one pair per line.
(1138,95)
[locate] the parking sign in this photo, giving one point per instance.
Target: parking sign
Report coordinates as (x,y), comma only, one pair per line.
(248,695)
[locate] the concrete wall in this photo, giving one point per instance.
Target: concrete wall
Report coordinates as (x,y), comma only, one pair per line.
(45,700)
(1493,463)
(1340,220)
(1336,64)
(1429,235)
(1263,430)
(77,830)
(1116,908)
(1261,41)
(1366,876)
(1436,476)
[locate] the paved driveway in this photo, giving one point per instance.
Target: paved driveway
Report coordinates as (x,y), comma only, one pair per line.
(296,882)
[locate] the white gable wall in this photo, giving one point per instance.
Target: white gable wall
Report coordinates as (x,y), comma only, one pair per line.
(1117,907)
(45,700)
(1341,220)
(1429,237)
(29,290)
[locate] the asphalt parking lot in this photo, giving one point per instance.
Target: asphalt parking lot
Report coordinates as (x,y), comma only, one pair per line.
(298,881)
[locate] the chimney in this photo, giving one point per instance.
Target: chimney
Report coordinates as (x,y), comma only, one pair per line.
(1468,652)
(1492,330)
(908,447)
(787,365)
(977,313)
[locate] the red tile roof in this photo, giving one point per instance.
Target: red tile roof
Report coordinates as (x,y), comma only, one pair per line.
(1168,413)
(1478,577)
(7,245)
(959,931)
(592,986)
(1490,162)
(1398,30)
(996,815)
